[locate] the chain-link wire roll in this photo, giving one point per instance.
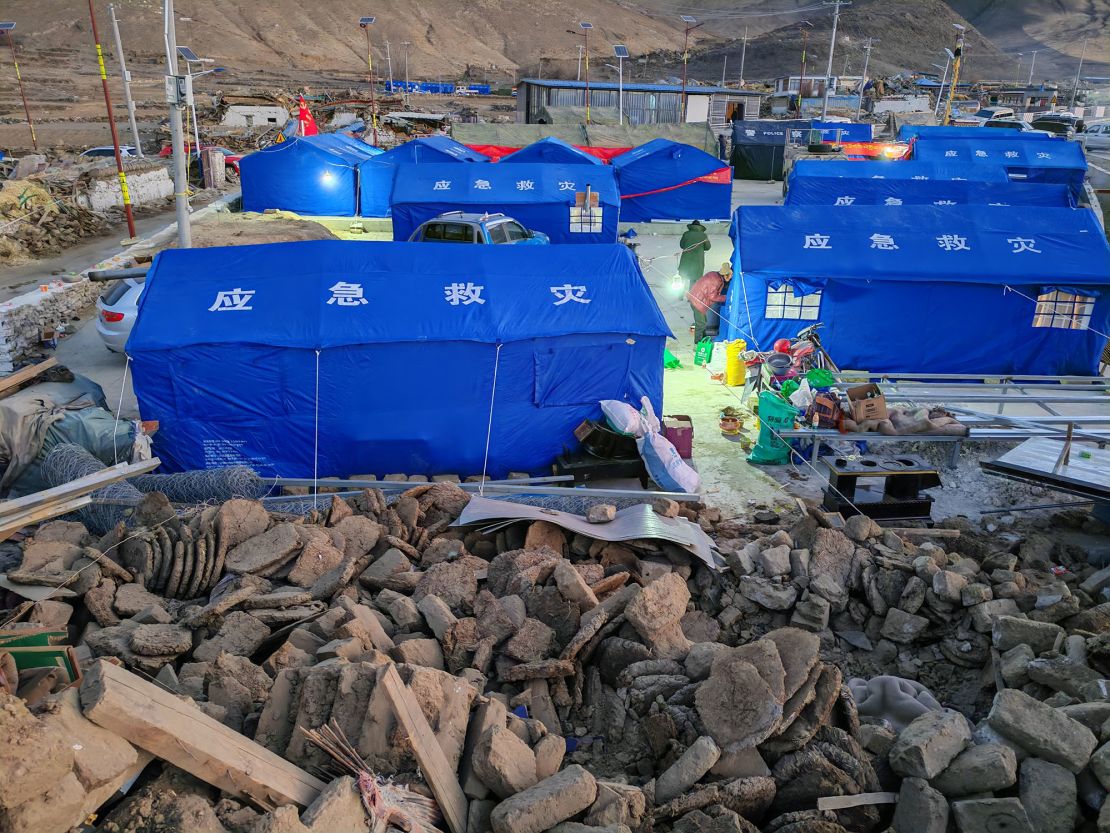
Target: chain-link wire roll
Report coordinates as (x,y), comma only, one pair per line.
(67,462)
(204,486)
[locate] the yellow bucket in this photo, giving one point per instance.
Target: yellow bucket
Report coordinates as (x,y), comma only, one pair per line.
(735,369)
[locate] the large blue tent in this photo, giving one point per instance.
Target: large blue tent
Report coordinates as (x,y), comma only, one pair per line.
(963,289)
(907,132)
(902,169)
(809,190)
(1030,160)
(378,174)
(384,356)
(542,197)
(665,180)
(315,175)
(553,150)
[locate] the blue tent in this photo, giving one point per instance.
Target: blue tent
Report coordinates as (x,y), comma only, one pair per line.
(1031,160)
(315,175)
(964,289)
(895,170)
(553,150)
(665,180)
(384,354)
(541,196)
(908,132)
(811,190)
(378,174)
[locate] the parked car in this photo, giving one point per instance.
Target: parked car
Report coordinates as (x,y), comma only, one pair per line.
(988,113)
(108,152)
(1066,118)
(1055,127)
(460,227)
(231,157)
(1015,124)
(1097,136)
(116,310)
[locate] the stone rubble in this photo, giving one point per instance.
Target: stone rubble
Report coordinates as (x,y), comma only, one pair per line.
(579,686)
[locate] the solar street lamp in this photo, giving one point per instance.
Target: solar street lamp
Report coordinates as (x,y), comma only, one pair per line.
(365,23)
(585,27)
(620,52)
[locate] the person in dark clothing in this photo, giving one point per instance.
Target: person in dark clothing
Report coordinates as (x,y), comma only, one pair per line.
(694,244)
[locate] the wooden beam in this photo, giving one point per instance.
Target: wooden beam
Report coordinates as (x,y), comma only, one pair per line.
(80,486)
(433,763)
(915,532)
(10,383)
(178,732)
(13,523)
(843,802)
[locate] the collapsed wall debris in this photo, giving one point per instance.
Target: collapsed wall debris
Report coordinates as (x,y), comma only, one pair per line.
(532,678)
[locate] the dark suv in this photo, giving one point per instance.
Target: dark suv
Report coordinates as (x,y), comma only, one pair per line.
(460,227)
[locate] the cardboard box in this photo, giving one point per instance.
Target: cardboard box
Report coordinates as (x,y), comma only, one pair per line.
(867,402)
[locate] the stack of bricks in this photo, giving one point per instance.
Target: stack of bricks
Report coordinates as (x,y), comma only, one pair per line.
(26,318)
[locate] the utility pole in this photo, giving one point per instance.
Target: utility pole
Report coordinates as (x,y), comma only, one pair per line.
(802,77)
(389,65)
(832,48)
(743,56)
(126,80)
(957,58)
(112,125)
(724,69)
(176,97)
(691,25)
(7,29)
(366,23)
(863,84)
(1032,66)
(1078,70)
(584,50)
(406,44)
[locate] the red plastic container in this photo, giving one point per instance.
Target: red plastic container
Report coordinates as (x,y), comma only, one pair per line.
(679,429)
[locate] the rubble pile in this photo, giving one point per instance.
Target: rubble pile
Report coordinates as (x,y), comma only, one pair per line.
(827,681)
(38,222)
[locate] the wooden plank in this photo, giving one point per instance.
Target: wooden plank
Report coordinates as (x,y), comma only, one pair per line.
(80,486)
(13,523)
(433,763)
(843,802)
(10,383)
(178,732)
(915,532)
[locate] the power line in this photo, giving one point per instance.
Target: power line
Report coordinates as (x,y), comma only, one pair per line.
(716,14)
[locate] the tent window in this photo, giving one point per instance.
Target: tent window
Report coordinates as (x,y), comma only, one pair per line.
(587,220)
(783,303)
(1064,311)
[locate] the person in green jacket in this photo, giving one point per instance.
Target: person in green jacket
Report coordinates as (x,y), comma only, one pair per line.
(691,265)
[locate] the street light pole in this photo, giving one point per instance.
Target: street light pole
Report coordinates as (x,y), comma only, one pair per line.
(691,25)
(177,130)
(1078,70)
(943,82)
(584,49)
(620,52)
(389,65)
(863,84)
(743,56)
(406,44)
(832,48)
(124,192)
(126,80)
(1032,66)
(8,27)
(366,23)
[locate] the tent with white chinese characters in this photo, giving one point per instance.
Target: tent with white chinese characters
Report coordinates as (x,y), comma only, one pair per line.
(811,190)
(665,180)
(909,132)
(568,203)
(384,355)
(958,289)
(551,150)
(376,177)
(900,169)
(315,175)
(1025,160)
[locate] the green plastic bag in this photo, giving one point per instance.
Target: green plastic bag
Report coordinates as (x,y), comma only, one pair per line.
(670,360)
(775,416)
(703,352)
(819,378)
(788,388)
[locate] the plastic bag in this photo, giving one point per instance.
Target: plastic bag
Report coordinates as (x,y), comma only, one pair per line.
(717,364)
(775,416)
(661,458)
(703,352)
(820,379)
(670,360)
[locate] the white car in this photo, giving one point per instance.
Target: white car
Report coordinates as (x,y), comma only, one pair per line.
(1097,136)
(109,152)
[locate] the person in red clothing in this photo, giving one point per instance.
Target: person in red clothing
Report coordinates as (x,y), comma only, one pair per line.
(706,297)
